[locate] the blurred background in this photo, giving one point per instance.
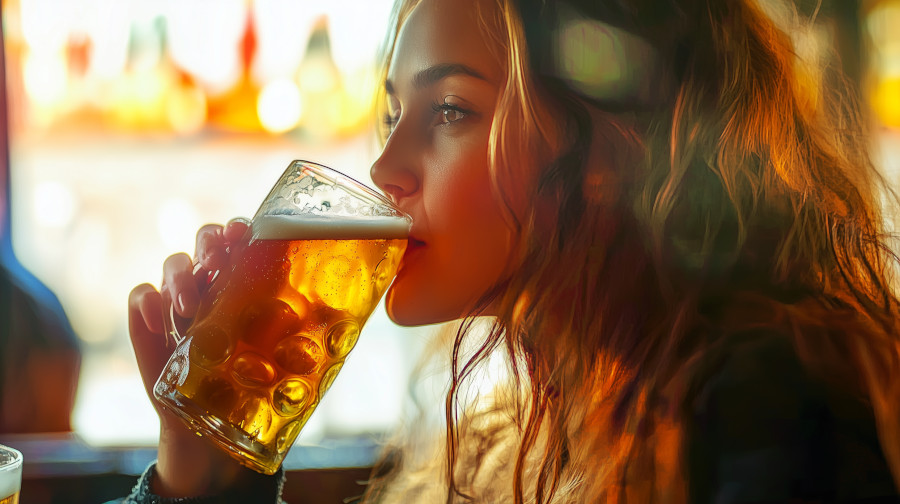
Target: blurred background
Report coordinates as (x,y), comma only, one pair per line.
(132,123)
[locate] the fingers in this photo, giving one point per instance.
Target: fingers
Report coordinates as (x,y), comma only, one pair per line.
(147,303)
(146,329)
(213,240)
(178,280)
(210,247)
(235,229)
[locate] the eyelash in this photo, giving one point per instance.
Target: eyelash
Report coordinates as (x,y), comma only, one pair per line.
(390,121)
(443,108)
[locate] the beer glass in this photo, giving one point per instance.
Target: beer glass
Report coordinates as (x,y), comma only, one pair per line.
(10,475)
(274,327)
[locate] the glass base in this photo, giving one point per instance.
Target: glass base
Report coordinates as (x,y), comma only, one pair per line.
(235,442)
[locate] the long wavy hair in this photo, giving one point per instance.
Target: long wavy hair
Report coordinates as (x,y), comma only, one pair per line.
(743,196)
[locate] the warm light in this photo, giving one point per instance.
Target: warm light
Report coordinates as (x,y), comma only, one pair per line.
(138,99)
(207,50)
(282,32)
(177,223)
(44,73)
(111,408)
(279,106)
(355,38)
(357,105)
(186,109)
(87,278)
(46,23)
(886,101)
(318,76)
(54,204)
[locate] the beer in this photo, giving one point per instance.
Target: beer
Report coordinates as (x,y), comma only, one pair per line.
(10,475)
(274,330)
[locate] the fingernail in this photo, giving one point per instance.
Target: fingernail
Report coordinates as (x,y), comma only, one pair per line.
(181,302)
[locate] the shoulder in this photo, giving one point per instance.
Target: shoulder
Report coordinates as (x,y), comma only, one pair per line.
(761,426)
(753,391)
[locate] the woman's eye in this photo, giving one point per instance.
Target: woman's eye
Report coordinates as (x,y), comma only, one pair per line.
(452,114)
(449,113)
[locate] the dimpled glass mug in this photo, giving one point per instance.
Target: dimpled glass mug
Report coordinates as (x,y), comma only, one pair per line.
(274,327)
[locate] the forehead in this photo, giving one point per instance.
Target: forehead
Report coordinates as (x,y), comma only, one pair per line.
(444,31)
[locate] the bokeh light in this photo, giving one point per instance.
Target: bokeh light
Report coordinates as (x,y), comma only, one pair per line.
(279,106)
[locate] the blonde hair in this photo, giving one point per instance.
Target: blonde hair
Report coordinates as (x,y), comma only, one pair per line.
(640,220)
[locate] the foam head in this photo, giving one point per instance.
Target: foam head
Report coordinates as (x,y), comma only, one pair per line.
(318,227)
(10,471)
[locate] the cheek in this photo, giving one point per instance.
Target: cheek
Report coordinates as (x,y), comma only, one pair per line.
(475,238)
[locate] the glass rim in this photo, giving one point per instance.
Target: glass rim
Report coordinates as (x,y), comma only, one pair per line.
(339,177)
(16,461)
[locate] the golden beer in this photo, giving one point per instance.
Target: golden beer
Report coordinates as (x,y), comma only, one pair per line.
(274,327)
(277,324)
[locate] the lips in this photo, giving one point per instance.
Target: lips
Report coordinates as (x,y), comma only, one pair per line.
(413,246)
(414,243)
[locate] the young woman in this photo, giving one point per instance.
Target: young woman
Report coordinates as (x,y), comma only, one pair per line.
(670,219)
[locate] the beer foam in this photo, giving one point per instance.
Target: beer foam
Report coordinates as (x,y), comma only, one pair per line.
(10,478)
(9,483)
(318,227)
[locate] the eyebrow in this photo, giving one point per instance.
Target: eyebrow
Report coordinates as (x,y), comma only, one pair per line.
(436,73)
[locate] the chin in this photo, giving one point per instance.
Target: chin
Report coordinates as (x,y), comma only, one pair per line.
(404,312)
(413,317)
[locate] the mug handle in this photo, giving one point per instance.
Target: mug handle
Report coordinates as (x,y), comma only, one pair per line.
(175,324)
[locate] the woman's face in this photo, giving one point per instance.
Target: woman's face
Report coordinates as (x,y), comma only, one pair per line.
(442,87)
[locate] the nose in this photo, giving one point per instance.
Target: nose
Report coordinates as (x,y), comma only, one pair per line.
(394,172)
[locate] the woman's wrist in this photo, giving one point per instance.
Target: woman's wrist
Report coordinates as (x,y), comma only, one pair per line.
(191,466)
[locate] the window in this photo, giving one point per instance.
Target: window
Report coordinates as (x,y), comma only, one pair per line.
(133,123)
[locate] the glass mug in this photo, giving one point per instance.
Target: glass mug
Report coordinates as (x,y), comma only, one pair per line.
(10,475)
(274,327)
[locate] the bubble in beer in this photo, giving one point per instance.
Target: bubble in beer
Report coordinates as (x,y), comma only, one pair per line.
(291,396)
(318,319)
(333,281)
(298,354)
(341,338)
(210,345)
(328,378)
(252,369)
(216,394)
(287,435)
(267,321)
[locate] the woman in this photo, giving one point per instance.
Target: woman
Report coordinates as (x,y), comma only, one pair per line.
(672,222)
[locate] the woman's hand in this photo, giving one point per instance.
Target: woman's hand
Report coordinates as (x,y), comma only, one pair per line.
(187,465)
